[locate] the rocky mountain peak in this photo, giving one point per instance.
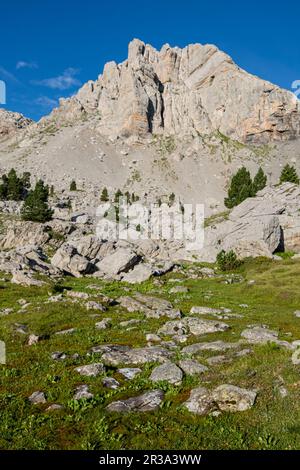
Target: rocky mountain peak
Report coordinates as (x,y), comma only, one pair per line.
(11,122)
(190,91)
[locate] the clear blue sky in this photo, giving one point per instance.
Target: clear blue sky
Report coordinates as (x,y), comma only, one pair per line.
(48,48)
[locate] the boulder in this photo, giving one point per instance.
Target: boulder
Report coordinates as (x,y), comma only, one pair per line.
(168,372)
(68,260)
(120,261)
(192,325)
(148,401)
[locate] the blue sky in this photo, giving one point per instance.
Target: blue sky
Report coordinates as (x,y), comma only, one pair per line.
(49,48)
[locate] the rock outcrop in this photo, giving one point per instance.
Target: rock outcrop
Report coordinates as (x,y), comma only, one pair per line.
(11,122)
(189,91)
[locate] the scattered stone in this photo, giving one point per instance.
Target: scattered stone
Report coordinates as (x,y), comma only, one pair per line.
(152,307)
(110,382)
(33,339)
(208,310)
(231,398)
(92,305)
(191,367)
(227,398)
(66,332)
(54,407)
(297,313)
(132,322)
(58,356)
(168,372)
(215,360)
(152,338)
(91,370)
(103,324)
(209,346)
(179,290)
(25,278)
(130,373)
(82,391)
(37,398)
(259,335)
(22,329)
(114,355)
(148,401)
(192,325)
(77,295)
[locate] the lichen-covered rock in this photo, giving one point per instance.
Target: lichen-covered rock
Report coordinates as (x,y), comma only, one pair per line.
(148,401)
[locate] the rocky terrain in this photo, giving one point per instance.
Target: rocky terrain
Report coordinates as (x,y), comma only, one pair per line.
(175,120)
(112,343)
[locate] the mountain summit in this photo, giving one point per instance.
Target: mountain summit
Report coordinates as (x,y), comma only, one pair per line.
(194,90)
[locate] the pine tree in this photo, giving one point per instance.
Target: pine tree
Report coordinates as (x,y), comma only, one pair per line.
(35,207)
(3,188)
(128,197)
(171,199)
(241,187)
(289,174)
(73,186)
(14,186)
(118,194)
(260,181)
(104,195)
(26,180)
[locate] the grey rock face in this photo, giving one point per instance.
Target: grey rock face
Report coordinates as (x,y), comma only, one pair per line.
(148,401)
(10,123)
(91,370)
(190,90)
(168,372)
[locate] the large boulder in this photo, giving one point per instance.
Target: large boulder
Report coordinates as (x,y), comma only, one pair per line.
(120,261)
(68,260)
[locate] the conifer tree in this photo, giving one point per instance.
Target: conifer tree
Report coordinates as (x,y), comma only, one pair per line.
(260,181)
(289,174)
(241,187)
(35,207)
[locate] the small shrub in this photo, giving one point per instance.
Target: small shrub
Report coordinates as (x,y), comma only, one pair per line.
(227,261)
(73,186)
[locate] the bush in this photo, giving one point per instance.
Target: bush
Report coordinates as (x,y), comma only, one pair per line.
(73,186)
(35,207)
(289,174)
(227,261)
